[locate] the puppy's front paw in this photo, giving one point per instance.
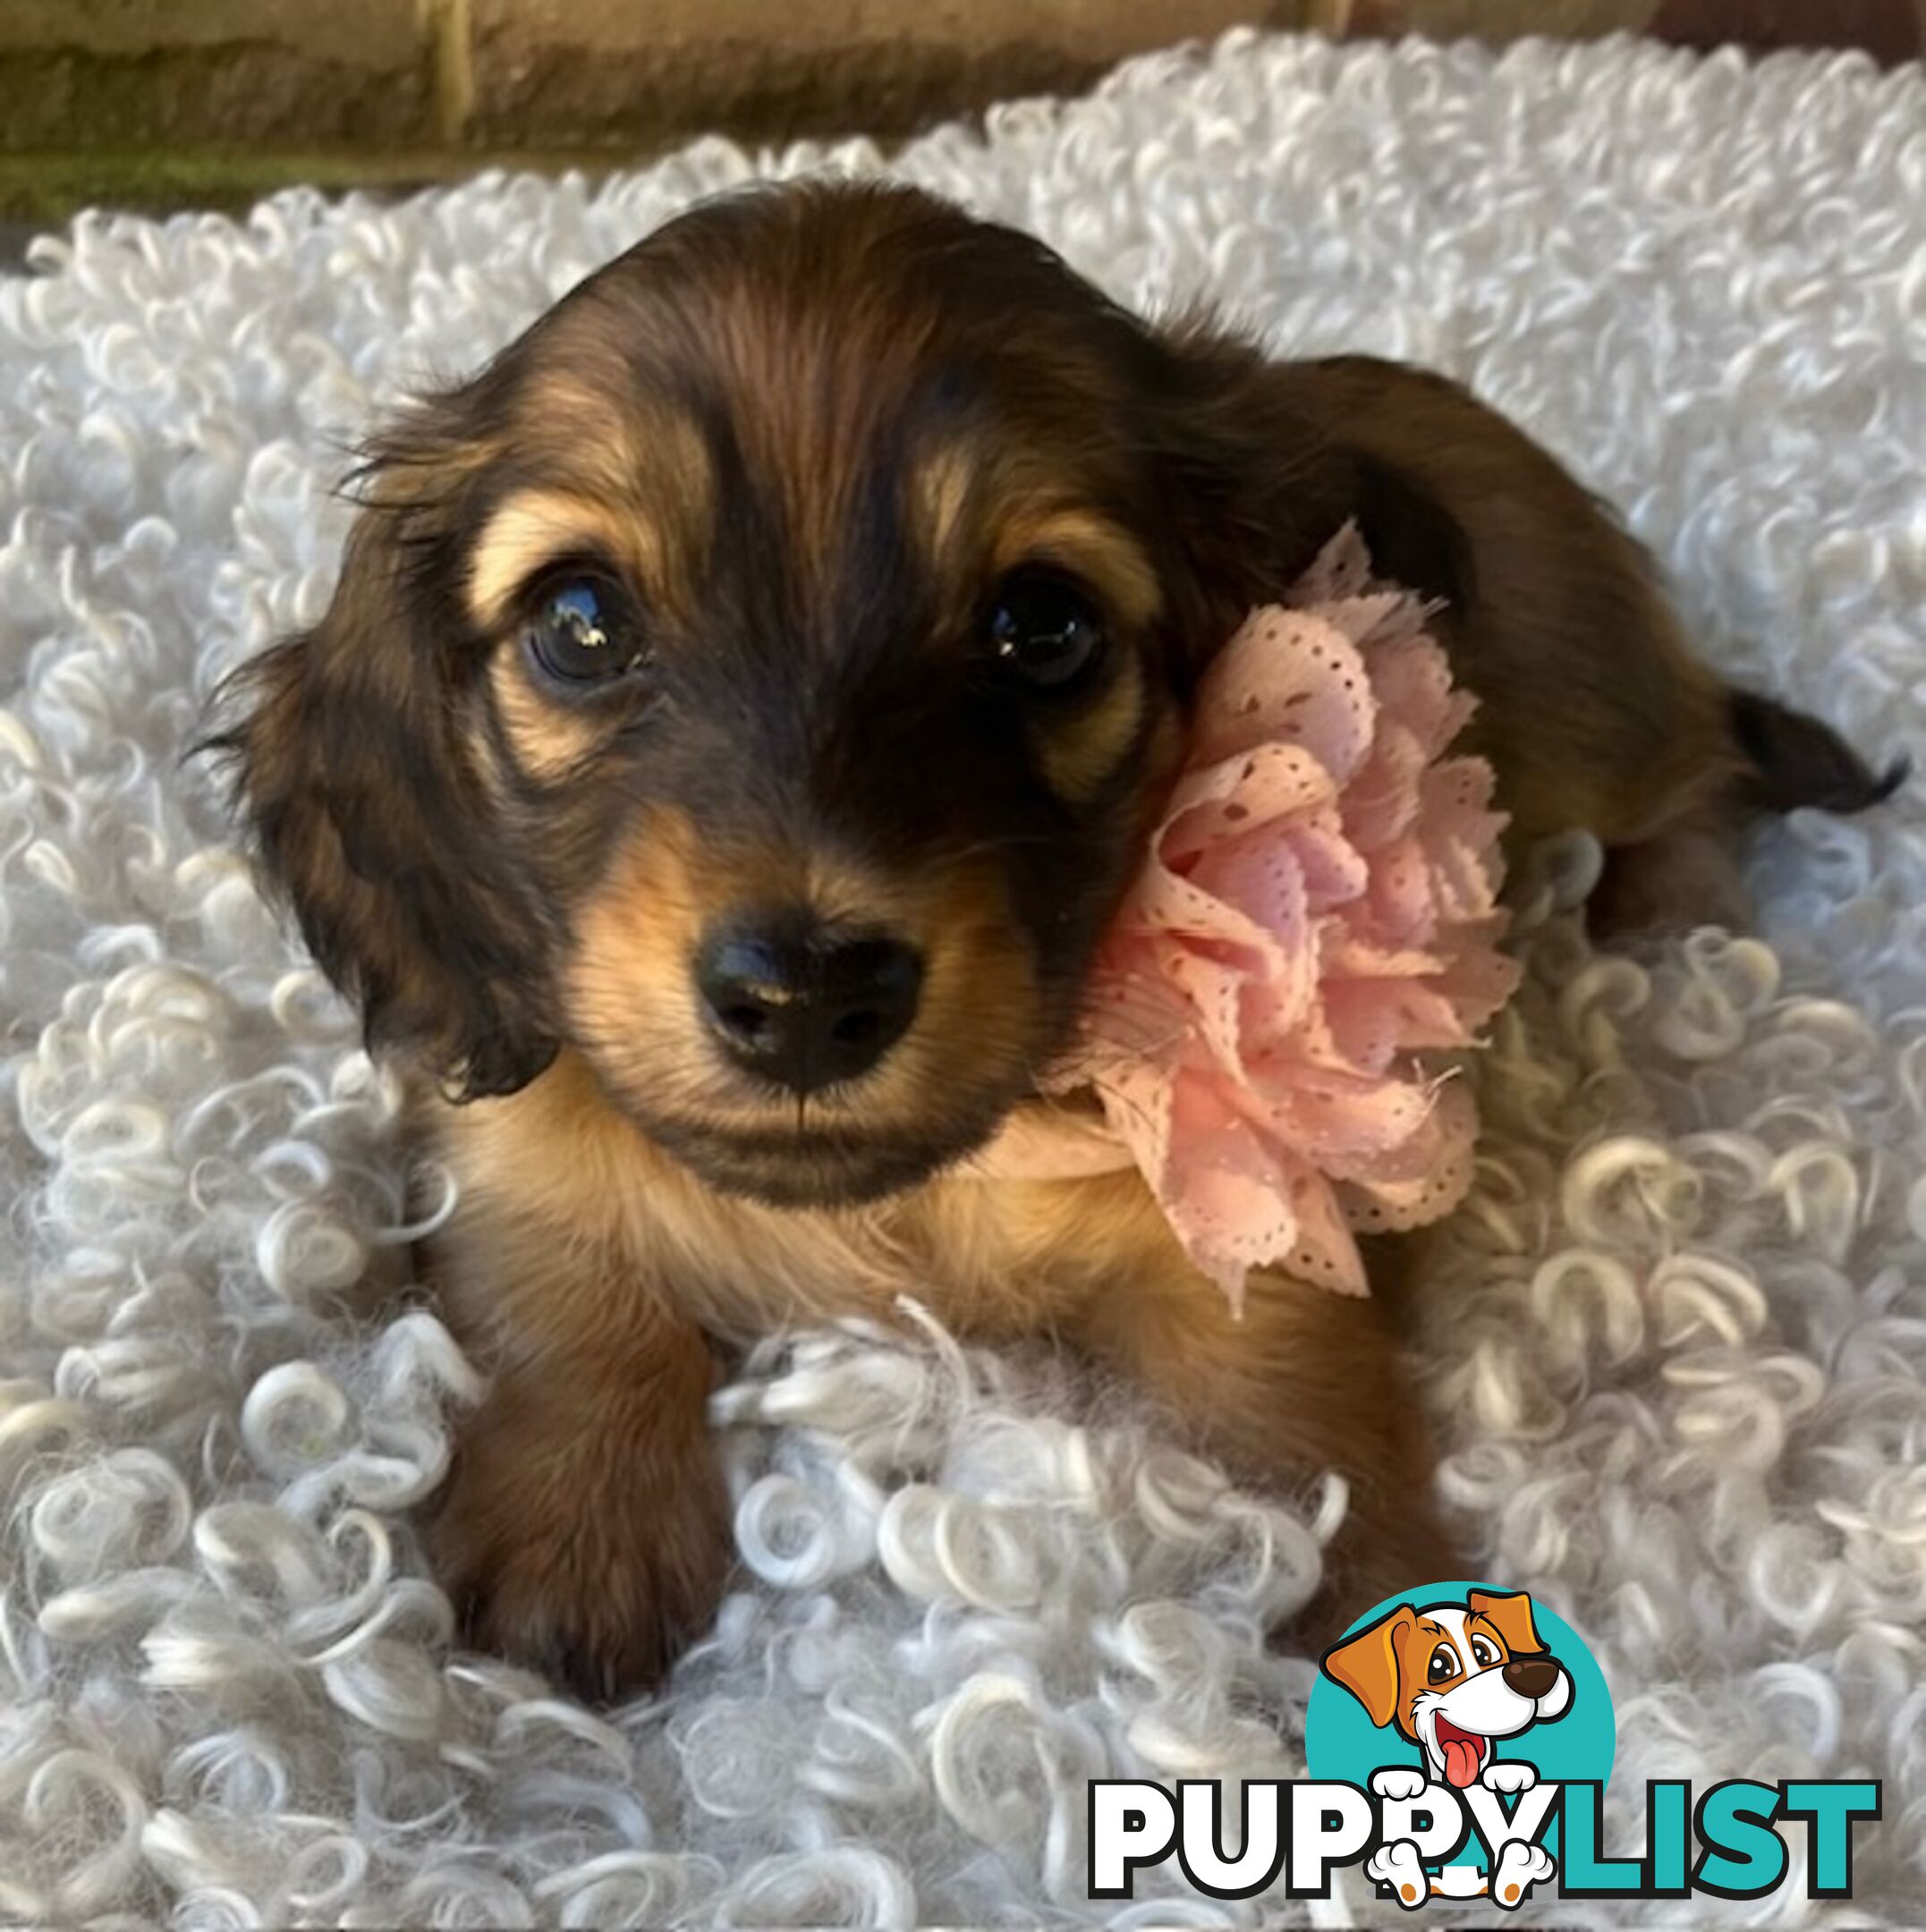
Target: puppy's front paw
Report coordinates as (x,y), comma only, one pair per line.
(1520,1866)
(1398,1782)
(599,1583)
(1508,1774)
(1398,1866)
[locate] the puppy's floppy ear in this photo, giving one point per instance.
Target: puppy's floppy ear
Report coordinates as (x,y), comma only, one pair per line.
(351,766)
(1252,483)
(1510,1612)
(1366,1664)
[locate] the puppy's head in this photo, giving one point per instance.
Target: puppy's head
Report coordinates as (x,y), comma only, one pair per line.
(761,680)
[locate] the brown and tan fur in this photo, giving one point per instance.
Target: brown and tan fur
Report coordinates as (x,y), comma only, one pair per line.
(809,433)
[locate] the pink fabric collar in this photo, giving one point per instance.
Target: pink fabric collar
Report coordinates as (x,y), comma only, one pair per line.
(1317,918)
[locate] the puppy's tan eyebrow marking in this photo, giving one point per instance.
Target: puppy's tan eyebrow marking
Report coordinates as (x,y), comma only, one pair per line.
(941,485)
(537,527)
(1093,547)
(1047,524)
(644,450)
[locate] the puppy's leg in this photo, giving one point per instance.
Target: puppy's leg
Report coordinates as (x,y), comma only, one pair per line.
(1306,1381)
(1686,876)
(585,1528)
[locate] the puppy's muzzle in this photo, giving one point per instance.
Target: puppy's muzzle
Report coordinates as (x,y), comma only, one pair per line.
(1532,1677)
(804,1007)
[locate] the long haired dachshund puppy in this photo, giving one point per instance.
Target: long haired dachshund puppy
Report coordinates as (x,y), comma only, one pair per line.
(742,706)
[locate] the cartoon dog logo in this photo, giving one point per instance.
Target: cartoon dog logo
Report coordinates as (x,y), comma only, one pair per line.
(1455,1680)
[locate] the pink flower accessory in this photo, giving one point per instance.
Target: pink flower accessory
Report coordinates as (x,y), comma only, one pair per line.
(1317,915)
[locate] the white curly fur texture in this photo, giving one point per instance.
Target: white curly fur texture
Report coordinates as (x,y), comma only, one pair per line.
(1676,1337)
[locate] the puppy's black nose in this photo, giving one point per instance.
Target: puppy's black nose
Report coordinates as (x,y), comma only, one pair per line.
(1531,1676)
(805,1008)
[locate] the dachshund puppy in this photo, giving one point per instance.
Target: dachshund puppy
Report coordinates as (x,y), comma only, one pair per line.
(742,710)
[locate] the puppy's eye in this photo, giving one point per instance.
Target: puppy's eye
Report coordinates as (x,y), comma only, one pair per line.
(1482,1653)
(1046,632)
(1443,1664)
(583,631)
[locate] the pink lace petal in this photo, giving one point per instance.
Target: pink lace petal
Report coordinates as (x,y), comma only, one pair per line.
(1288,677)
(1326,1250)
(1264,879)
(1382,802)
(1280,1015)
(1349,1125)
(1139,1103)
(1351,955)
(1240,795)
(1414,690)
(1223,1189)
(1441,1172)
(1136,1014)
(1165,907)
(1379,1018)
(1335,872)
(1363,1022)
(1215,991)
(1341,571)
(1479,983)
(1401,909)
(1458,836)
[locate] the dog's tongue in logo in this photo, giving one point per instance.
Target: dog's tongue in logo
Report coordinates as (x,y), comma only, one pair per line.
(1463,1753)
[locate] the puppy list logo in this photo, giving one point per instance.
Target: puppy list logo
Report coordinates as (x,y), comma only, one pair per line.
(1467,1682)
(1458,1742)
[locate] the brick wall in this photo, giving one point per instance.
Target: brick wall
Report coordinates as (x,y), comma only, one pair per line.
(188,98)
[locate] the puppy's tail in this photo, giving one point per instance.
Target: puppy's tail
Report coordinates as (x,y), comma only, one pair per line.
(1792,759)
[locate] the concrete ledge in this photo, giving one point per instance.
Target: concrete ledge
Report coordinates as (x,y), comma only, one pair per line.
(350,31)
(81,72)
(1501,20)
(599,71)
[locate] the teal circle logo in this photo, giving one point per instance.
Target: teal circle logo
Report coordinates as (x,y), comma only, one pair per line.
(1463,1683)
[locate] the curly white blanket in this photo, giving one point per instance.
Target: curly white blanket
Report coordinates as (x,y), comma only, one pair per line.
(1676,1340)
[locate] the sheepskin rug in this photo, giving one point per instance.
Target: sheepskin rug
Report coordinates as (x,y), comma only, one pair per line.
(1676,1340)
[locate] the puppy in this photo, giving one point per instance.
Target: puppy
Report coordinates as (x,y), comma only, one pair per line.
(742,709)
